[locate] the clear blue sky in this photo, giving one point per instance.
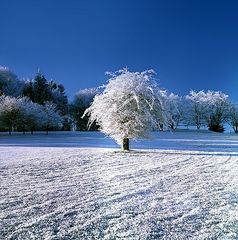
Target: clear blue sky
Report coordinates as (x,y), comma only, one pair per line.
(190,44)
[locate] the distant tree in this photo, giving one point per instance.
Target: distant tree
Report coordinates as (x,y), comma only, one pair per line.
(208,108)
(218,110)
(42,92)
(81,102)
(10,85)
(233,116)
(9,112)
(31,117)
(61,88)
(215,123)
(28,90)
(53,85)
(130,106)
(173,105)
(21,114)
(51,117)
(198,114)
(60,99)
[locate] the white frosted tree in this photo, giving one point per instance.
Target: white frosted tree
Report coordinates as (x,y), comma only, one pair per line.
(32,115)
(197,111)
(208,108)
(129,107)
(218,103)
(50,117)
(84,97)
(82,100)
(18,113)
(9,112)
(173,105)
(233,116)
(9,83)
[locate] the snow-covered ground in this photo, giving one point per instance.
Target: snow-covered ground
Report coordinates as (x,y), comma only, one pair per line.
(76,185)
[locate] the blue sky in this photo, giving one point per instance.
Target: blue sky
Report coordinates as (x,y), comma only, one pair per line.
(190,44)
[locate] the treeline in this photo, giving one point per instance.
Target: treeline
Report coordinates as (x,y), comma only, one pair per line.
(41,104)
(211,109)
(21,114)
(38,104)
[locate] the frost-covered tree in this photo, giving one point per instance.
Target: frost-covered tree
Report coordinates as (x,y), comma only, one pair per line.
(51,117)
(129,107)
(197,111)
(39,90)
(208,108)
(233,116)
(84,97)
(9,112)
(10,85)
(32,115)
(82,100)
(218,110)
(173,105)
(21,114)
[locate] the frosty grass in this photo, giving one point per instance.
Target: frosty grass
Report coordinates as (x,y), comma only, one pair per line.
(181,185)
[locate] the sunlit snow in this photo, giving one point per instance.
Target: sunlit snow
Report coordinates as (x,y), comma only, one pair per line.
(181,185)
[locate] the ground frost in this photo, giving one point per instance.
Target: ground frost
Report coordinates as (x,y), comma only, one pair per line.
(98,193)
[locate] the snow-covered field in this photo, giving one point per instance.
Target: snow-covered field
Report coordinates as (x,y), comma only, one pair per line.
(181,185)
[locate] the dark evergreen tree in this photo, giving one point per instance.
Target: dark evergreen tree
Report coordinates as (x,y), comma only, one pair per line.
(28,90)
(53,85)
(61,89)
(42,91)
(215,123)
(59,98)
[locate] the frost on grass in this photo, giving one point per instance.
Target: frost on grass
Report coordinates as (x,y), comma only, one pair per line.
(79,193)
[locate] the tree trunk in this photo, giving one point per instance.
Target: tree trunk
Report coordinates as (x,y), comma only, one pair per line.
(236,128)
(125,144)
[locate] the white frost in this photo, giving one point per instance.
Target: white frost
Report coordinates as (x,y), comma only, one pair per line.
(188,190)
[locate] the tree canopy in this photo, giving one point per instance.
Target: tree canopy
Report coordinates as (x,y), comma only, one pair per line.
(130,106)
